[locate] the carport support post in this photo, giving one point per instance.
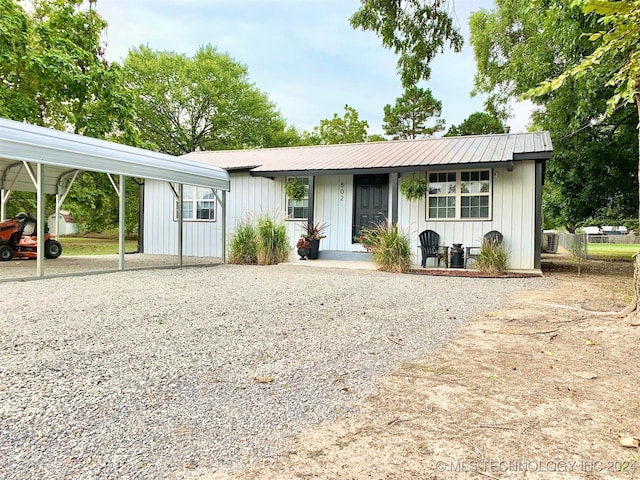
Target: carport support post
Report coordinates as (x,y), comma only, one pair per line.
(121,224)
(224,226)
(180,196)
(41,219)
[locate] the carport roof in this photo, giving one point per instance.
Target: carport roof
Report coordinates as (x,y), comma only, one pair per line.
(403,155)
(64,153)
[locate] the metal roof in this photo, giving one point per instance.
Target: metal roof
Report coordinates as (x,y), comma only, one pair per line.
(384,156)
(63,153)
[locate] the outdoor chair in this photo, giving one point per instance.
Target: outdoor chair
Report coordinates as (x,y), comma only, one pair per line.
(493,237)
(430,247)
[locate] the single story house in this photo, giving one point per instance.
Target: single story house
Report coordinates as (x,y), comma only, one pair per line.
(475,184)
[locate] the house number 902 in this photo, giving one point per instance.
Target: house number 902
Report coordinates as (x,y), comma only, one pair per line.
(342,191)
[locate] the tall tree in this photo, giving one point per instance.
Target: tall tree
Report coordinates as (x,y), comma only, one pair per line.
(54,73)
(407,118)
(616,58)
(520,44)
(347,129)
(478,123)
(205,102)
(416,30)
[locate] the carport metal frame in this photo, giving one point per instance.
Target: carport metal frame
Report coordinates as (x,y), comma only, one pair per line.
(46,161)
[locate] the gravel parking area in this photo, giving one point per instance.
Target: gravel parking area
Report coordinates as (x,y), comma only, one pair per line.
(157,373)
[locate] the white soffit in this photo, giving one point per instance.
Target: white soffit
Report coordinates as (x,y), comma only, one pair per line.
(62,152)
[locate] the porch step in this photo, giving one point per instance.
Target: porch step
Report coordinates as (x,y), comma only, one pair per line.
(345,256)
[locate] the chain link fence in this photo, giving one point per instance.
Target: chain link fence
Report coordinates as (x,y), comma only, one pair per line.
(576,243)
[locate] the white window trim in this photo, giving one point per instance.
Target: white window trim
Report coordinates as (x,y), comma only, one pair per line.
(458,196)
(287,199)
(195,201)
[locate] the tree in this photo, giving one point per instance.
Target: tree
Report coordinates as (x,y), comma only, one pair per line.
(202,103)
(617,58)
(347,129)
(375,137)
(478,123)
(416,30)
(522,43)
(54,73)
(407,118)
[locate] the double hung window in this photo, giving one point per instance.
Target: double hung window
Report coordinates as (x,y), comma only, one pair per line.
(198,204)
(298,209)
(459,195)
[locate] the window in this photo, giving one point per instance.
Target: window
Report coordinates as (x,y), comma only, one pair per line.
(197,204)
(459,195)
(298,209)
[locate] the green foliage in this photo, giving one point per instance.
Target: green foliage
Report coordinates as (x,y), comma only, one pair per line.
(416,30)
(407,118)
(206,102)
(594,169)
(349,129)
(492,259)
(295,190)
(478,123)
(244,244)
(414,188)
(54,73)
(618,41)
(375,137)
(272,243)
(390,247)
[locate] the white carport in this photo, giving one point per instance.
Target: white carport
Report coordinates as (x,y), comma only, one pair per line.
(47,161)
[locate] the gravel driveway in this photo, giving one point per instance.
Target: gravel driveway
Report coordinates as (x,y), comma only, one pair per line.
(152,374)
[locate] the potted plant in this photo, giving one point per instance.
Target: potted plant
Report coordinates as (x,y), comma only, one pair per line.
(414,188)
(304,247)
(295,189)
(313,233)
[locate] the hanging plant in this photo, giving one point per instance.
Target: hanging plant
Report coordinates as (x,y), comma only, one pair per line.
(295,189)
(414,188)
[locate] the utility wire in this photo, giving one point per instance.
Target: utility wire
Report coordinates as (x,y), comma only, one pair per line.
(591,123)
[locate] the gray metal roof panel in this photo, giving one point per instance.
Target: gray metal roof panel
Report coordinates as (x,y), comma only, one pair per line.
(475,149)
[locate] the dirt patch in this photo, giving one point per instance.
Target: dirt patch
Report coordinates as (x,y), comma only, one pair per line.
(529,391)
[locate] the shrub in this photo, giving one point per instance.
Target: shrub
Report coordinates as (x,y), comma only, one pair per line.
(390,247)
(244,245)
(492,259)
(272,245)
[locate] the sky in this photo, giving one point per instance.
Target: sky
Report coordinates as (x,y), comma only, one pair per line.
(302,53)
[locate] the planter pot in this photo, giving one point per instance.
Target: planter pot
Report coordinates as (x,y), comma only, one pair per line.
(315,246)
(303,252)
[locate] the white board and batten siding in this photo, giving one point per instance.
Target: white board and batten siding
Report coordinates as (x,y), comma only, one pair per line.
(249,198)
(334,206)
(513,215)
(200,238)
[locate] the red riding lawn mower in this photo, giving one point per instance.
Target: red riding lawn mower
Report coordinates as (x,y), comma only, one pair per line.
(18,239)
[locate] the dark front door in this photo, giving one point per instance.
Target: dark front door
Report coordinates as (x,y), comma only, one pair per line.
(371,201)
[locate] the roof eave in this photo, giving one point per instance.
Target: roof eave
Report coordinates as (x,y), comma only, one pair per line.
(378,170)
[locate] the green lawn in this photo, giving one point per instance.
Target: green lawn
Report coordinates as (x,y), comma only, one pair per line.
(612,251)
(94,246)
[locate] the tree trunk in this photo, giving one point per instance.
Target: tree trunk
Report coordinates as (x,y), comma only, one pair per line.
(632,309)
